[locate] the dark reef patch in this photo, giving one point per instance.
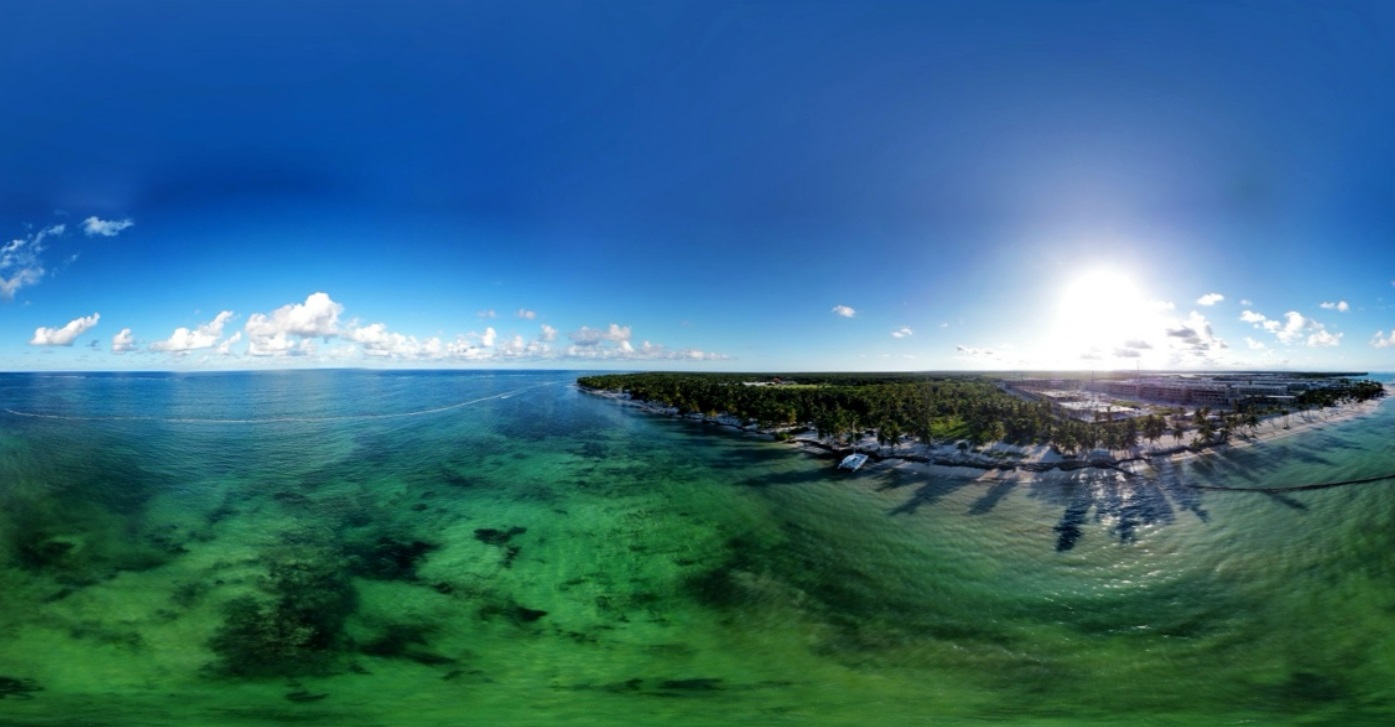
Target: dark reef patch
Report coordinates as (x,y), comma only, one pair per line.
(388,559)
(405,641)
(18,688)
(493,536)
(512,612)
(297,628)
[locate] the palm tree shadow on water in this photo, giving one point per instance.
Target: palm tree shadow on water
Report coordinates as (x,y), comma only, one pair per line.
(1127,503)
(929,494)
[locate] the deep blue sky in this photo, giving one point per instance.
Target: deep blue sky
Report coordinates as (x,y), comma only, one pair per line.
(777,186)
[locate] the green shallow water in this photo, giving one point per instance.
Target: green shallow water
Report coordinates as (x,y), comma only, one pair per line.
(687,575)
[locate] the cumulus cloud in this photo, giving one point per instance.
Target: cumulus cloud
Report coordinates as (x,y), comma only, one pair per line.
(224,348)
(585,336)
(1292,329)
(1340,306)
(1127,353)
(902,332)
(123,342)
(204,336)
(1137,344)
(106,228)
(1210,299)
(1254,345)
(487,313)
(378,341)
(527,314)
(289,330)
(1383,341)
(973,352)
(625,351)
(548,333)
(1195,335)
(66,335)
(1324,338)
(20,263)
(844,311)
(1295,328)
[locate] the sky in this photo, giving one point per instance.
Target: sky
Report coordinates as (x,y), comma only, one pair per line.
(753,186)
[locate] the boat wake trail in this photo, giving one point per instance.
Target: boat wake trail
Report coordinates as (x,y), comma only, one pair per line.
(280,420)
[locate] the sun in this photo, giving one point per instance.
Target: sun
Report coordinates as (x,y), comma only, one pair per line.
(1102,314)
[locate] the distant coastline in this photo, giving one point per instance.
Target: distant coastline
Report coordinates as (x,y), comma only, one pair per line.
(999,461)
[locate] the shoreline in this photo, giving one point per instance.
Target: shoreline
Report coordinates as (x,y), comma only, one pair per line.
(1001,462)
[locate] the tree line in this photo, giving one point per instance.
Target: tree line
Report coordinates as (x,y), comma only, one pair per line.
(934,409)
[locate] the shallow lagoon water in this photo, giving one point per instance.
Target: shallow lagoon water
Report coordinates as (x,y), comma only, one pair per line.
(500,548)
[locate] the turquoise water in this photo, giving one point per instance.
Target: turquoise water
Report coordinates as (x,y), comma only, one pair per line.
(442,548)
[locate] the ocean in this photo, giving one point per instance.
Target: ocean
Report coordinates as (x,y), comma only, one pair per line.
(499,548)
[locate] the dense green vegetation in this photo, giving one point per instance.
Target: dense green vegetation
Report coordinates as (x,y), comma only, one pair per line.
(934,408)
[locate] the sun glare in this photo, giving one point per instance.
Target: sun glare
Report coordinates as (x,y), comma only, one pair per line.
(1102,315)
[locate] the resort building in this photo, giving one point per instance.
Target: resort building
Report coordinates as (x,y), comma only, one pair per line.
(1081,398)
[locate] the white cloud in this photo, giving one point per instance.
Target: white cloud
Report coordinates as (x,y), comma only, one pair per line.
(225,347)
(278,344)
(645,351)
(844,311)
(487,313)
(123,341)
(1295,328)
(1324,338)
(1210,299)
(1292,330)
(902,332)
(591,336)
(973,352)
(528,314)
(1383,341)
(378,341)
(1254,345)
(105,228)
(1340,306)
(271,335)
(205,336)
(1246,302)
(548,333)
(1196,335)
(488,338)
(20,264)
(944,325)
(66,335)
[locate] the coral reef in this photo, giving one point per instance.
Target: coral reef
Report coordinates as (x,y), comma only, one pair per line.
(298,629)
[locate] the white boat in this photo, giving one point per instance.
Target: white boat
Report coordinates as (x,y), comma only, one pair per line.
(853,461)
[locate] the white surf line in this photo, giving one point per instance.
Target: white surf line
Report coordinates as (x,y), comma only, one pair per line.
(278,420)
